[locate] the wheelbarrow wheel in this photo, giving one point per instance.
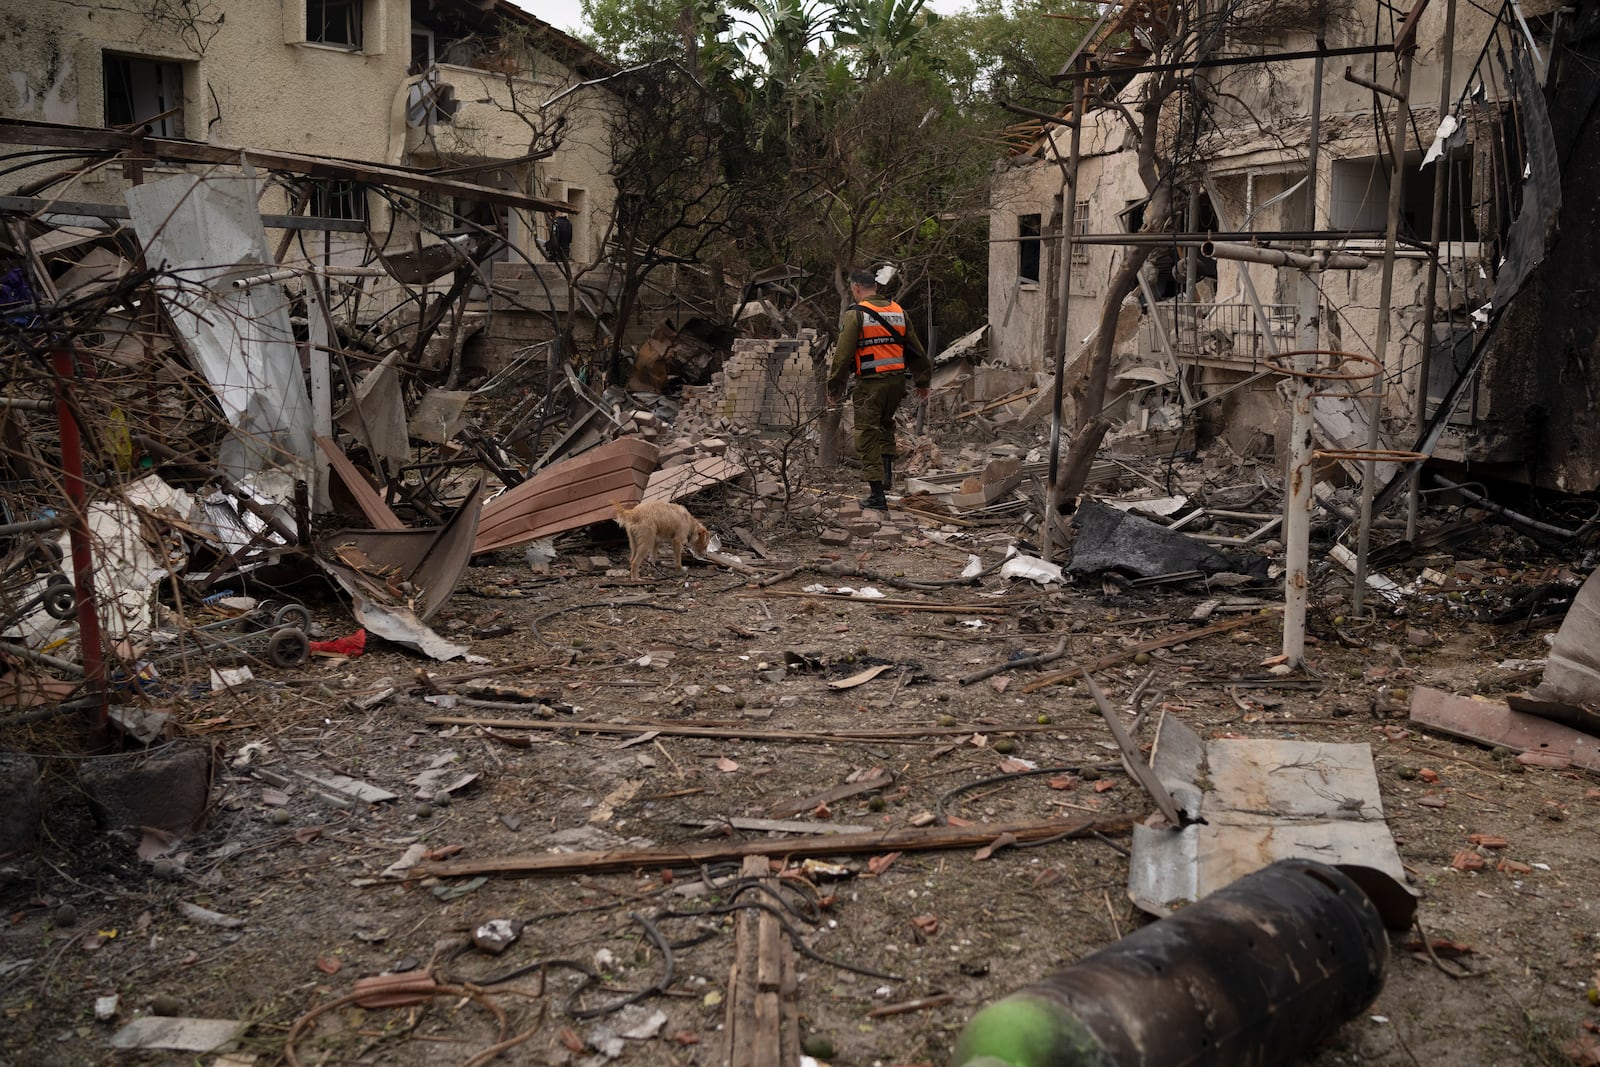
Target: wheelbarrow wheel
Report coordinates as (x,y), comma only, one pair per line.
(294,615)
(289,647)
(60,599)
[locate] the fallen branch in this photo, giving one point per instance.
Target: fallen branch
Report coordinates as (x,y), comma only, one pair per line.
(1025,661)
(1126,654)
(937,1000)
(903,840)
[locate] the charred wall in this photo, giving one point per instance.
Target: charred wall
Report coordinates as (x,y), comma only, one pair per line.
(1564,309)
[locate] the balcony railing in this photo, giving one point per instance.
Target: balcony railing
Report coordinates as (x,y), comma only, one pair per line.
(1217,334)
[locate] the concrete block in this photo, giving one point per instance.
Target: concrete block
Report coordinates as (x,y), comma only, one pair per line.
(20,807)
(167,787)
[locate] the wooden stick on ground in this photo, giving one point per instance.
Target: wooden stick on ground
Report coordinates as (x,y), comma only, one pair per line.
(914,736)
(1148,646)
(1026,661)
(901,840)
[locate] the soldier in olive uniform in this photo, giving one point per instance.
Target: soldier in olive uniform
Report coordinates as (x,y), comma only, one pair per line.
(877,343)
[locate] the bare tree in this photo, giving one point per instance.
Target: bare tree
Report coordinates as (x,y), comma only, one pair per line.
(1170,115)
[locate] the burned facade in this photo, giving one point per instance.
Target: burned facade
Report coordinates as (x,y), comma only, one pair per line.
(1477,156)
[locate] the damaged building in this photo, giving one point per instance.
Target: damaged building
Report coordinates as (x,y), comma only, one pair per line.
(1488,124)
(475,94)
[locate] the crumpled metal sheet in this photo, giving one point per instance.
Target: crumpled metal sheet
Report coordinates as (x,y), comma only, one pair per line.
(1262,801)
(430,560)
(206,231)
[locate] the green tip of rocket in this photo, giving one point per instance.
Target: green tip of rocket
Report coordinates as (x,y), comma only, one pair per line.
(1026,1031)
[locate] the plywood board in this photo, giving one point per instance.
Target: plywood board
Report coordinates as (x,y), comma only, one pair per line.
(568,495)
(1493,723)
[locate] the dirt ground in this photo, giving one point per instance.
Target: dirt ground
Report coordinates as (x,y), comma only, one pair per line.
(85,918)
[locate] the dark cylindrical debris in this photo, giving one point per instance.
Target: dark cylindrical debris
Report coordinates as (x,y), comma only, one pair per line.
(1255,975)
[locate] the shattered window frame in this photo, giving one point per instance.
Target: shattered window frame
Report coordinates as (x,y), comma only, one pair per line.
(127,74)
(1080,228)
(339,199)
(337,23)
(1371,174)
(1029,241)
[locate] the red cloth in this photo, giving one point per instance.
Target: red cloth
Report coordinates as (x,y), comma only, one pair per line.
(353,645)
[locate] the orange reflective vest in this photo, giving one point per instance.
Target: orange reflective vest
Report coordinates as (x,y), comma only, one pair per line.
(880,346)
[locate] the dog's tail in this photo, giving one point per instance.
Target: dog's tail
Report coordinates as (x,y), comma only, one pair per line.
(622,510)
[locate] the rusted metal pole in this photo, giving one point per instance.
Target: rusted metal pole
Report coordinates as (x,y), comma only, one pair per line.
(1441,171)
(1298,480)
(94,663)
(1069,219)
(1369,467)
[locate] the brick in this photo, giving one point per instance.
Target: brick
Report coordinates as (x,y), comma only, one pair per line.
(834,538)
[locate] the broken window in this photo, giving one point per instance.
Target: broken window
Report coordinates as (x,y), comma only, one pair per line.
(139,89)
(422,54)
(339,200)
(1028,249)
(335,22)
(1080,227)
(1361,197)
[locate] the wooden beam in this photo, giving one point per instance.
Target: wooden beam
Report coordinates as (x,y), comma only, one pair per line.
(739,733)
(902,840)
(174,150)
(38,205)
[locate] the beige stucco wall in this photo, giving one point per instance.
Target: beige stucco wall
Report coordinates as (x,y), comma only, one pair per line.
(252,81)
(1252,161)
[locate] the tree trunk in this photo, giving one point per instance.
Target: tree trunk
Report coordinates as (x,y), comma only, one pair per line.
(1089,428)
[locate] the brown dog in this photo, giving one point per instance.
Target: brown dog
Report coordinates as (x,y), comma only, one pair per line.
(654,521)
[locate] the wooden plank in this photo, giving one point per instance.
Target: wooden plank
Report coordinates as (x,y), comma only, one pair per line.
(769,962)
(1496,724)
(367,498)
(744,1038)
(766,1022)
(905,839)
(568,495)
(170,149)
(778,826)
(737,732)
(43,207)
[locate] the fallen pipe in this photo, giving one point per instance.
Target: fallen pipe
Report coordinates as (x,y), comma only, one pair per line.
(1281,257)
(1255,975)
